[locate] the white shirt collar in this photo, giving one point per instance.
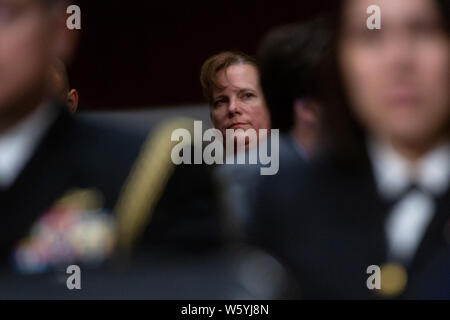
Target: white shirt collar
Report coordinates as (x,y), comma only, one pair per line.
(408,220)
(394,174)
(18,144)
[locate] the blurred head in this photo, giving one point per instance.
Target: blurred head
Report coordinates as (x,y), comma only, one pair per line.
(230,83)
(396,80)
(61,86)
(33,35)
(290,59)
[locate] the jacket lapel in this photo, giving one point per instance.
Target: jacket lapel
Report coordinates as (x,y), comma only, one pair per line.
(42,181)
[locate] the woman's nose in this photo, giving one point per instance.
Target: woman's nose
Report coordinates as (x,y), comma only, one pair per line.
(234,106)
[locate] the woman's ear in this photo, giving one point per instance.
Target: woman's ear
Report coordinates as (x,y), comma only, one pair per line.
(72,100)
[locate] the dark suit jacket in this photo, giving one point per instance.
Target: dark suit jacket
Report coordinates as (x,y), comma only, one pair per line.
(327,225)
(74,153)
(240,185)
(78,152)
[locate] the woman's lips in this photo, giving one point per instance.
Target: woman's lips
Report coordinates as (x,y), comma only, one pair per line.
(240,125)
(402,98)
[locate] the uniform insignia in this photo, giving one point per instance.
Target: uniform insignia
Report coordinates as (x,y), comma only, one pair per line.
(76,229)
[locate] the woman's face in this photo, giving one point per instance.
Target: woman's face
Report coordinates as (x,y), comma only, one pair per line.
(239,104)
(397,78)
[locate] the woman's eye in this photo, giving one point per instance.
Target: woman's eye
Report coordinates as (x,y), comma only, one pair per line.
(248,95)
(218,103)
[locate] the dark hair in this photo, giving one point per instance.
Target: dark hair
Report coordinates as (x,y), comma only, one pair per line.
(344,134)
(444,8)
(290,59)
(213,65)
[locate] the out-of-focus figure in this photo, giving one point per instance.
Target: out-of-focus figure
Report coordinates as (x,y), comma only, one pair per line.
(63,91)
(60,176)
(290,59)
(26,55)
(379,196)
(106,197)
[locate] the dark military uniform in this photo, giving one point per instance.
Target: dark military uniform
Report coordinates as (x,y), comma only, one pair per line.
(327,224)
(174,205)
(74,153)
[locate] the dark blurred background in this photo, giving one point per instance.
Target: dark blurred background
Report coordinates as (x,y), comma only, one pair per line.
(135,54)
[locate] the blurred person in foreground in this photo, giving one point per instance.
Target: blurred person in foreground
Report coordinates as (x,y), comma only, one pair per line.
(290,59)
(379,196)
(81,191)
(54,168)
(63,91)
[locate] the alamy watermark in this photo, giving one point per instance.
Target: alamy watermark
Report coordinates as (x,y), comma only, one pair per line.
(237,147)
(374,21)
(74,280)
(374,280)
(73,22)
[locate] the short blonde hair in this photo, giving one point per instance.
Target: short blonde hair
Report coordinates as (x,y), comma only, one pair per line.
(222,61)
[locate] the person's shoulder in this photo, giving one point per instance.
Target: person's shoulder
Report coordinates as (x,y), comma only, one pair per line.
(97,140)
(103,133)
(95,148)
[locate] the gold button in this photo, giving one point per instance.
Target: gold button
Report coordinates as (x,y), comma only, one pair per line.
(393,280)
